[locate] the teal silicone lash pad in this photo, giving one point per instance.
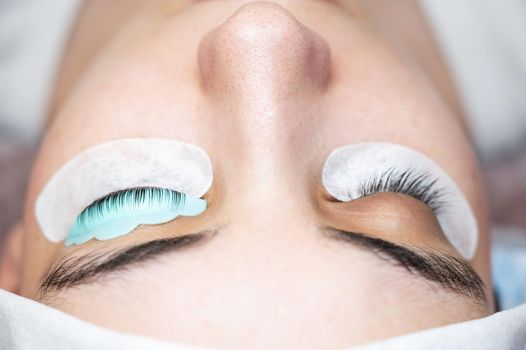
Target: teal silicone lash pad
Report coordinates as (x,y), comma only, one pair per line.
(120,213)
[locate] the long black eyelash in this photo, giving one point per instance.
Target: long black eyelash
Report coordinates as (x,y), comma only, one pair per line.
(137,195)
(418,185)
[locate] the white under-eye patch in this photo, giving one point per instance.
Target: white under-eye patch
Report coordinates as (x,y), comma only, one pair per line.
(353,170)
(116,165)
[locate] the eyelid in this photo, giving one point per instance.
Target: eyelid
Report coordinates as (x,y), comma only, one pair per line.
(347,168)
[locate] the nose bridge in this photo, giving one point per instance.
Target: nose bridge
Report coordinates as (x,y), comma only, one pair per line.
(260,70)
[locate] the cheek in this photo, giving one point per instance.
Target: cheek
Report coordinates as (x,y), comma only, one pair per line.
(377,96)
(39,254)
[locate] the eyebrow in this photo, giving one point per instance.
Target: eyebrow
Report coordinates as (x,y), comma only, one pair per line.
(435,265)
(74,270)
(450,272)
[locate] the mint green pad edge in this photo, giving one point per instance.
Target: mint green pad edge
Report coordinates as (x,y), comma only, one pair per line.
(125,224)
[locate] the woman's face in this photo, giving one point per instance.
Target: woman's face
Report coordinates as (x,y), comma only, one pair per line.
(268,92)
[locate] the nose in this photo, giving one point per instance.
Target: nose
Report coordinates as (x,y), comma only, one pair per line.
(262,72)
(262,56)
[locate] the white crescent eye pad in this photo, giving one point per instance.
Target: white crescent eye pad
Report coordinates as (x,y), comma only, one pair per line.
(119,165)
(354,171)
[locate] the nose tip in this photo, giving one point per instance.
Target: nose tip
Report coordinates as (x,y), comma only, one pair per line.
(263,44)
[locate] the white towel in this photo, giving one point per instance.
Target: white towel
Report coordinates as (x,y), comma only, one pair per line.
(28,325)
(33,34)
(484,43)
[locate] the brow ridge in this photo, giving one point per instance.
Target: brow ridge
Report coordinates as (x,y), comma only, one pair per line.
(72,271)
(435,265)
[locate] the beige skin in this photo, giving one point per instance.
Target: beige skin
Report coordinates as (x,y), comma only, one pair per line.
(268,91)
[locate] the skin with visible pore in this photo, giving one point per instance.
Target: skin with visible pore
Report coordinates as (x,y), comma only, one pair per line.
(268,90)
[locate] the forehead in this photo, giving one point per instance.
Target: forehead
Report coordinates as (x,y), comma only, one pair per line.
(273,287)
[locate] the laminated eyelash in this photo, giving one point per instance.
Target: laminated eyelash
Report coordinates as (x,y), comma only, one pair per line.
(420,186)
(139,197)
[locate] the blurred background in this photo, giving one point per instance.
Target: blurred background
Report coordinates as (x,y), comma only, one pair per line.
(483,43)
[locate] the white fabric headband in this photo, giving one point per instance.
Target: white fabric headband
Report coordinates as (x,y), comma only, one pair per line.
(26,324)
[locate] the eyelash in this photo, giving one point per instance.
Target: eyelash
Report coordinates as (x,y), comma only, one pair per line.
(418,185)
(137,196)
